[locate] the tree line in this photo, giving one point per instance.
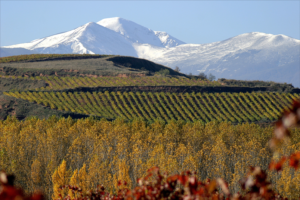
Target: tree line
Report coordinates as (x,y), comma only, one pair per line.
(44,154)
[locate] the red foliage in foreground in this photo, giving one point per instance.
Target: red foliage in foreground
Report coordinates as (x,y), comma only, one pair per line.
(9,192)
(184,186)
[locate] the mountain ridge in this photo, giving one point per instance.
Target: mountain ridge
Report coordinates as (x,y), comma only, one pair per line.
(249,56)
(139,34)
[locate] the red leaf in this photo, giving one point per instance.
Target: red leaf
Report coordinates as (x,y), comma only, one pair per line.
(183,179)
(277,166)
(119,182)
(212,186)
(294,160)
(37,196)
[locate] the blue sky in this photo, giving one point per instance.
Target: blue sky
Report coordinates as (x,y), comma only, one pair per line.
(195,22)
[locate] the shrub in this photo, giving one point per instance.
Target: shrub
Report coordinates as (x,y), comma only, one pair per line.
(163,72)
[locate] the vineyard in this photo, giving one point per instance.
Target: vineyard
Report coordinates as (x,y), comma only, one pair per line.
(37,57)
(66,87)
(59,83)
(204,107)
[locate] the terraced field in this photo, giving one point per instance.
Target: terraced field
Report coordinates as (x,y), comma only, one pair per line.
(205,107)
(59,83)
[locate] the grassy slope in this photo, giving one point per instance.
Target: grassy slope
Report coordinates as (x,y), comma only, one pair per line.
(100,66)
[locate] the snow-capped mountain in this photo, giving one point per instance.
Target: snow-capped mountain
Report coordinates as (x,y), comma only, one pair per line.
(249,56)
(90,38)
(118,38)
(139,34)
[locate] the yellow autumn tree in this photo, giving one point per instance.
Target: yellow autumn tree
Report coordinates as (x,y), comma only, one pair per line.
(122,175)
(83,178)
(74,182)
(36,173)
(295,184)
(98,174)
(60,178)
(79,179)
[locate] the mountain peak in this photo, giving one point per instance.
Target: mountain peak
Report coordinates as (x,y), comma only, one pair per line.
(139,34)
(117,24)
(254,55)
(90,24)
(261,34)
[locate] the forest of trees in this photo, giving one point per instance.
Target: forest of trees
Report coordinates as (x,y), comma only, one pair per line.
(46,154)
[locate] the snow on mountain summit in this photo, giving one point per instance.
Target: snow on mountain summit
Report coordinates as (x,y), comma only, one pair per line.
(139,34)
(90,38)
(259,40)
(248,56)
(116,36)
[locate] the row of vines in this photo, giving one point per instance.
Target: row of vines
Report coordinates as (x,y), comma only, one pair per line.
(204,107)
(58,83)
(42,56)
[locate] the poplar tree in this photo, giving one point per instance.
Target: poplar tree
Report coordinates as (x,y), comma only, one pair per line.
(60,178)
